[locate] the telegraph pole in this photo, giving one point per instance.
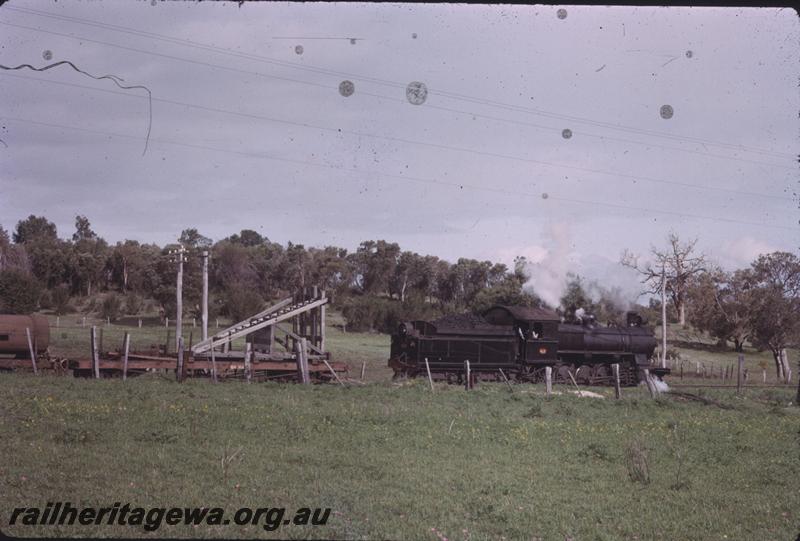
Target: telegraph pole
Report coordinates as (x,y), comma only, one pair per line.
(205,295)
(180,258)
(663,317)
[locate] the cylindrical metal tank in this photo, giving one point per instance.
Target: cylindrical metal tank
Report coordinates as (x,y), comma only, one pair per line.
(14,339)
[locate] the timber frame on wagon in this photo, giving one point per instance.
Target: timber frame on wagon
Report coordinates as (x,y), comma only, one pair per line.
(285,341)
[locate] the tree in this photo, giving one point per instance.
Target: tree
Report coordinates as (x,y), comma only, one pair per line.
(34,227)
(671,269)
(722,303)
(776,305)
(19,292)
(83,229)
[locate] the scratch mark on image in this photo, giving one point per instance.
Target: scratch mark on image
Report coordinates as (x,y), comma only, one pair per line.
(115,79)
(600,68)
(668,61)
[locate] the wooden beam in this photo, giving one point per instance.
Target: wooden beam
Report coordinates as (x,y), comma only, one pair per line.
(297,337)
(231,329)
(322,313)
(227,339)
(428,368)
(333,372)
(95,356)
(32,351)
(126,344)
(548,379)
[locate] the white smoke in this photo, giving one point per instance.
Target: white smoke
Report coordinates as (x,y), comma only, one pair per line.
(548,277)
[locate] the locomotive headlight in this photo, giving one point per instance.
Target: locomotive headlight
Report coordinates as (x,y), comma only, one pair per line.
(542,351)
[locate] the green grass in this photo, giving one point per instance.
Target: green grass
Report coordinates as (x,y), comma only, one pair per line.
(397,461)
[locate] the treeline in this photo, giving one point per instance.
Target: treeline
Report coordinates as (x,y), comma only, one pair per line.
(374,287)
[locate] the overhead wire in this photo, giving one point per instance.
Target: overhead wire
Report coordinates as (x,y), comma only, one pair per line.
(615,174)
(380,96)
(396,84)
(515,193)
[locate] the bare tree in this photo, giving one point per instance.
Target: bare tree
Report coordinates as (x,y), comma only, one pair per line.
(670,269)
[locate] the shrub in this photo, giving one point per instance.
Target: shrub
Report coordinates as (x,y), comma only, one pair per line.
(111,307)
(636,461)
(133,304)
(60,297)
(19,292)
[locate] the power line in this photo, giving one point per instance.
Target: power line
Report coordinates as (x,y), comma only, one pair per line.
(514,193)
(424,143)
(379,96)
(396,84)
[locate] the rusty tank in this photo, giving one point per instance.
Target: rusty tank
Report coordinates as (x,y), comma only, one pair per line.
(14,338)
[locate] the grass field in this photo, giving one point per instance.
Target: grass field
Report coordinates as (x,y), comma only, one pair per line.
(396,461)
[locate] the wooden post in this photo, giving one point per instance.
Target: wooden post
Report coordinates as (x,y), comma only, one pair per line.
(363,368)
(428,368)
(179,299)
(322,313)
(248,365)
(179,366)
(764,375)
(95,356)
(510,388)
(575,383)
(166,346)
(213,367)
(739,374)
(140,323)
(681,369)
(663,318)
(204,314)
(548,379)
(32,351)
(108,321)
(324,360)
(617,390)
(126,344)
(697,368)
(166,322)
(100,347)
(58,321)
(468,381)
(651,386)
(302,375)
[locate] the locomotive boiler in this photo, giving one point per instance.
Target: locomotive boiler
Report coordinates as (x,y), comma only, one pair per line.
(14,337)
(522,342)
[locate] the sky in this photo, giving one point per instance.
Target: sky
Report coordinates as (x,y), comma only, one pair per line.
(250,128)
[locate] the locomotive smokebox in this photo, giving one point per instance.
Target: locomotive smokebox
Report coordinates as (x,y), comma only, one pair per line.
(633,319)
(14,338)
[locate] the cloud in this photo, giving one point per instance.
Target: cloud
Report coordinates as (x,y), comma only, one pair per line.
(744,250)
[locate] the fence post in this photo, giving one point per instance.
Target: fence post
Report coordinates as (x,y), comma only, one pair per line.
(428,368)
(615,371)
(126,343)
(213,366)
(248,365)
(363,369)
(95,356)
(467,382)
(651,386)
(32,351)
(179,366)
(548,379)
(140,323)
(739,374)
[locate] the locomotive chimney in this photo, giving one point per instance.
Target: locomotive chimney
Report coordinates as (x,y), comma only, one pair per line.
(633,319)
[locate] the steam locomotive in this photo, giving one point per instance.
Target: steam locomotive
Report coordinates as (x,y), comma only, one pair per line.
(520,342)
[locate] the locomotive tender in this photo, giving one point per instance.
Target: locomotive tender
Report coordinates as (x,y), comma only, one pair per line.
(522,342)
